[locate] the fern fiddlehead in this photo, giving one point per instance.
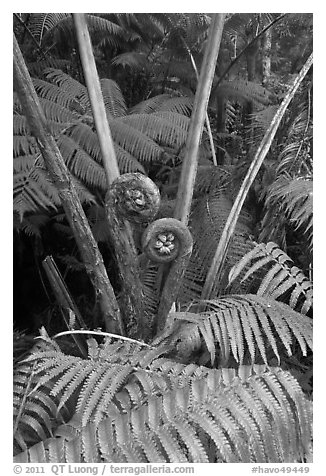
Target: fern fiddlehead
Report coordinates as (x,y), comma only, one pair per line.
(135,197)
(166,241)
(131,197)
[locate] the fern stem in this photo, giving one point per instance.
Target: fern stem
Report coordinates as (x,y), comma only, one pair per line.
(208,125)
(95,94)
(24,399)
(61,178)
(190,162)
(133,198)
(222,247)
(99,333)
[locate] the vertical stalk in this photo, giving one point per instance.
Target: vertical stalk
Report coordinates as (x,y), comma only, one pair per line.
(190,162)
(214,272)
(208,125)
(95,94)
(266,56)
(120,230)
(60,176)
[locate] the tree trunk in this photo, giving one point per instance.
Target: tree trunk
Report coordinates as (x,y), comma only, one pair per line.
(266,56)
(119,190)
(251,57)
(60,176)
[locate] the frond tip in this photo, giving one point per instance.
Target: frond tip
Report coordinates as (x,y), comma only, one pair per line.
(281,277)
(242,328)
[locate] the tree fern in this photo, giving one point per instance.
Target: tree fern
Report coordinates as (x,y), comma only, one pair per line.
(240,328)
(42,25)
(281,278)
(36,413)
(164,103)
(207,222)
(139,138)
(295,198)
(153,409)
(245,91)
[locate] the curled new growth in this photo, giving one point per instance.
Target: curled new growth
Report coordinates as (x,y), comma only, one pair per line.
(166,239)
(134,197)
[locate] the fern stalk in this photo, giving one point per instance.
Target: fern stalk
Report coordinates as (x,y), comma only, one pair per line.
(120,230)
(222,248)
(24,399)
(95,94)
(70,201)
(208,125)
(190,162)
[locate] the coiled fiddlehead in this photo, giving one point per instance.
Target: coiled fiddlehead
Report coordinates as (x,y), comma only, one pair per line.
(166,239)
(169,242)
(133,197)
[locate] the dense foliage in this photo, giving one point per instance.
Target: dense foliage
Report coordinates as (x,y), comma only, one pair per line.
(230,378)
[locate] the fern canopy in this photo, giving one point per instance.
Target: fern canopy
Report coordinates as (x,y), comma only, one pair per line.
(135,405)
(140,137)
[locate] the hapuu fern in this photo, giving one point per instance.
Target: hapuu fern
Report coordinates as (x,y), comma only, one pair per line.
(214,381)
(136,405)
(139,138)
(281,276)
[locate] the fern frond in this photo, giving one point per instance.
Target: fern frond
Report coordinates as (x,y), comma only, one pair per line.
(164,102)
(58,94)
(135,142)
(42,23)
(70,86)
(240,89)
(166,127)
(281,278)
(244,326)
(295,197)
(207,222)
(81,164)
(33,191)
(295,157)
(133,59)
(253,415)
(31,225)
(260,121)
(139,138)
(113,99)
(35,412)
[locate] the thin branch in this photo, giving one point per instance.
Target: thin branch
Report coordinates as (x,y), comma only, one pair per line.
(215,270)
(61,178)
(208,125)
(244,50)
(38,46)
(95,94)
(190,162)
